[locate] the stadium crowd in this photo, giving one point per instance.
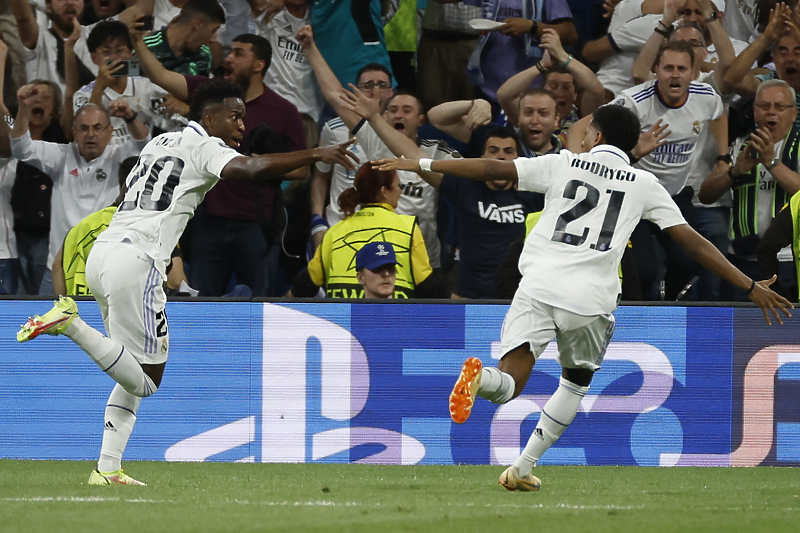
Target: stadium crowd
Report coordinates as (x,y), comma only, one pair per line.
(86,83)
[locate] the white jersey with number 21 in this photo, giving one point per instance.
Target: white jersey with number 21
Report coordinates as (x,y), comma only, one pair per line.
(593,201)
(173,174)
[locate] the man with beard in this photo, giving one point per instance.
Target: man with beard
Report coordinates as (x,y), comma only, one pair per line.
(44,44)
(782,31)
(236,229)
(693,111)
(44,41)
(563,76)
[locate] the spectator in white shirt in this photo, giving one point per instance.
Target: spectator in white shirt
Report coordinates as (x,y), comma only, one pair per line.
(81,169)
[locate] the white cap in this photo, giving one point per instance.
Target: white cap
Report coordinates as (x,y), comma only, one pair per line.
(719,4)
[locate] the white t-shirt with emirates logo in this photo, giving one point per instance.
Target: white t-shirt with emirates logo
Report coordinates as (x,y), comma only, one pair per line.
(80,187)
(593,201)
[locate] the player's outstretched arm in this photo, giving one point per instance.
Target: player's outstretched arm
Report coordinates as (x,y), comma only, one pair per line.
(705,253)
(271,166)
(476,169)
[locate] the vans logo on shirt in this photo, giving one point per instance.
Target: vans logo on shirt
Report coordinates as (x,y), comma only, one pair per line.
(510,214)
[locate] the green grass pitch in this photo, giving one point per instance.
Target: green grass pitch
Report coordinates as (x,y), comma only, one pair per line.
(52,496)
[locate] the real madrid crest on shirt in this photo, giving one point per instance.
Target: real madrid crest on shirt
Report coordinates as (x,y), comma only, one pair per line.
(100,175)
(696,127)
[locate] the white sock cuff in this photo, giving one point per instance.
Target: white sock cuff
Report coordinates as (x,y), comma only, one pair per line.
(496,386)
(572,387)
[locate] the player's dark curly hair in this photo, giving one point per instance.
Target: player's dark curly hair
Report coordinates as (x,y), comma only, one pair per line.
(619,126)
(212,92)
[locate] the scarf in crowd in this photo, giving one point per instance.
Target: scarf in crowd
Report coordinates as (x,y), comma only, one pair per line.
(85,75)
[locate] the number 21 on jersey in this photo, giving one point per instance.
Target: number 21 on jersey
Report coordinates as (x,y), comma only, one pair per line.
(572,217)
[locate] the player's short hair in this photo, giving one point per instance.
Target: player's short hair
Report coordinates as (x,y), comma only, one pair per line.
(261,47)
(682,47)
(106,30)
(214,91)
(210,10)
(619,126)
(537,91)
(501,132)
(777,83)
(87,107)
(372,67)
(411,94)
(56,93)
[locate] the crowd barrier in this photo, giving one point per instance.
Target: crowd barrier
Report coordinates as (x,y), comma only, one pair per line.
(368,383)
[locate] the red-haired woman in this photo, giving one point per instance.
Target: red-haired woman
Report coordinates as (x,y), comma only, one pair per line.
(333,264)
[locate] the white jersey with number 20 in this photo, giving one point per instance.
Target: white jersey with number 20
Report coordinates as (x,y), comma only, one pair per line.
(173,174)
(593,201)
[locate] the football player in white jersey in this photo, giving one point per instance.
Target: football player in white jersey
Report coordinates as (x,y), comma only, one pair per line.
(126,268)
(569,264)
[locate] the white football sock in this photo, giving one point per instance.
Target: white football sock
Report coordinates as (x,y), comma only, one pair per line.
(120,418)
(112,358)
(557,415)
(496,386)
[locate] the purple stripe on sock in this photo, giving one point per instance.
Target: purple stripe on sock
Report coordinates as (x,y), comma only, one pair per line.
(122,407)
(115,360)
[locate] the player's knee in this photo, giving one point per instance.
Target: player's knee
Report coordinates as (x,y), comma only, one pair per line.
(144,388)
(579,376)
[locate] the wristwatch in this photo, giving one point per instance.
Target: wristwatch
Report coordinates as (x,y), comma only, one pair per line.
(772,164)
(534,28)
(714,16)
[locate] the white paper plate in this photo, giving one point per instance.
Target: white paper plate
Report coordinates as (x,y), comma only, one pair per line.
(484,24)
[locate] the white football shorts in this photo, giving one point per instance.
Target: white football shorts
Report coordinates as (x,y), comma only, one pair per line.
(582,340)
(129,289)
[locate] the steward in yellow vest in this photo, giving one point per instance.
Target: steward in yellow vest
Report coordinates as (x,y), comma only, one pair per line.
(77,245)
(333,266)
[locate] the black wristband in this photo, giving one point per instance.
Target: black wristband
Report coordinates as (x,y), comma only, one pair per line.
(711,18)
(534,29)
(129,120)
(752,286)
(726,158)
(664,33)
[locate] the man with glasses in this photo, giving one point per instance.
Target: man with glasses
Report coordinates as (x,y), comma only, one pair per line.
(112,50)
(782,37)
(763,176)
(329,181)
(83,171)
